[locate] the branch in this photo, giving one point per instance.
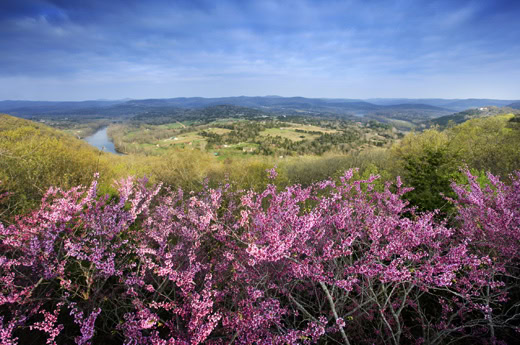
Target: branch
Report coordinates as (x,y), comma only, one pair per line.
(331,303)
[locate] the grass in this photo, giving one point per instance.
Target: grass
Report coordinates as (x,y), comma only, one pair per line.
(218,131)
(235,151)
(184,138)
(174,125)
(227,120)
(312,128)
(402,124)
(288,133)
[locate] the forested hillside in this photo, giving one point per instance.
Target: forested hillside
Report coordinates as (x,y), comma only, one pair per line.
(475,113)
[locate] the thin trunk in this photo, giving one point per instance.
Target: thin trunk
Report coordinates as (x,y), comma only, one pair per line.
(333,307)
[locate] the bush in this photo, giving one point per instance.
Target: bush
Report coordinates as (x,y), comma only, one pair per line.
(334,262)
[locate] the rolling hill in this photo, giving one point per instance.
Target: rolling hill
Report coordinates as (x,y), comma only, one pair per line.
(470,114)
(273,104)
(403,113)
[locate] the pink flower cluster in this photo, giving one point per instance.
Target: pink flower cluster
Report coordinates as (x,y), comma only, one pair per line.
(336,262)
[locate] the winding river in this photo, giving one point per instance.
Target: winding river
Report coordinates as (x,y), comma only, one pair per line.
(101,140)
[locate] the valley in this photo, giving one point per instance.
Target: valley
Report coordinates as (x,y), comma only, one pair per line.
(235,127)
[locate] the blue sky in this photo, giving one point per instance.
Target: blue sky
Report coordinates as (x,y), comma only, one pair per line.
(76,50)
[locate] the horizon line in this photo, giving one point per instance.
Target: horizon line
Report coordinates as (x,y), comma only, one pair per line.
(265,96)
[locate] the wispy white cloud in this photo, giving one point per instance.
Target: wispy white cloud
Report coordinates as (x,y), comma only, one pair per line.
(314,48)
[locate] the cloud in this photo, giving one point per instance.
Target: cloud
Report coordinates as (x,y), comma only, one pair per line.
(207,47)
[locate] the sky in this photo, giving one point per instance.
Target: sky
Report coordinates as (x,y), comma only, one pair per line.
(101,49)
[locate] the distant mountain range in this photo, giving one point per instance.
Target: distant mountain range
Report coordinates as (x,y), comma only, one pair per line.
(394,108)
(454,104)
(42,107)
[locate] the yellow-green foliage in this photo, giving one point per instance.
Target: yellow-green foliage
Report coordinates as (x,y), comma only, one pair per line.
(415,143)
(188,169)
(487,144)
(34,157)
(490,143)
(430,161)
(252,173)
(484,144)
(181,168)
(308,169)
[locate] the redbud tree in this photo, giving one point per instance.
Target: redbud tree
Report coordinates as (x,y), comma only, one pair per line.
(335,262)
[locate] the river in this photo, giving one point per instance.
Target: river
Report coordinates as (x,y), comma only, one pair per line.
(101,140)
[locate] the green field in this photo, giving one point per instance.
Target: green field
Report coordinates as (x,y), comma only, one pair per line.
(289,132)
(174,125)
(218,131)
